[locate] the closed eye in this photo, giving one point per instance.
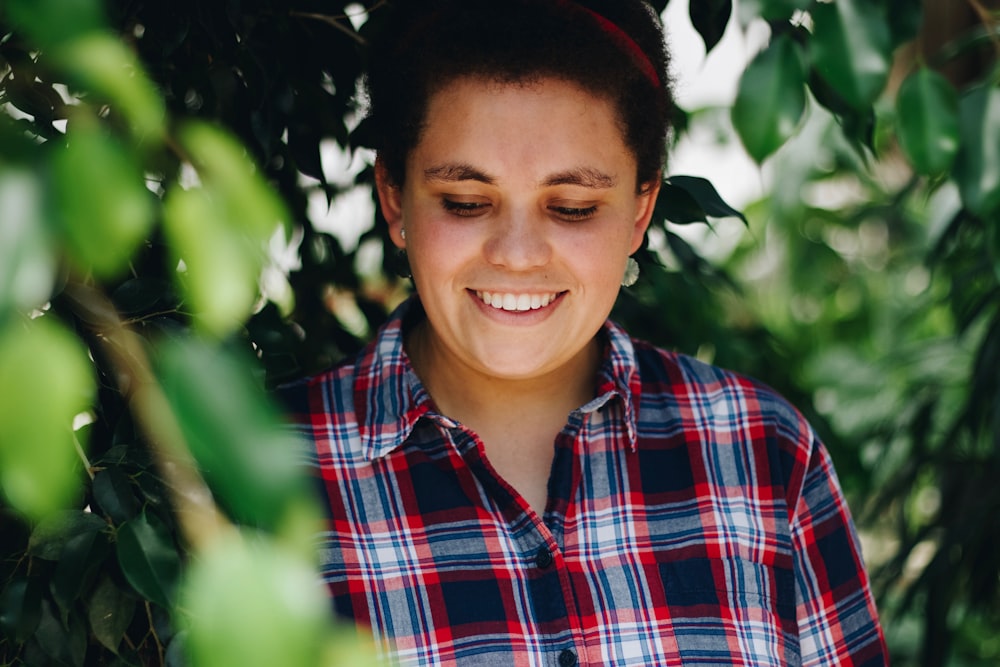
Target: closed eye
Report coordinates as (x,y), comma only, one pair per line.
(464,209)
(572,213)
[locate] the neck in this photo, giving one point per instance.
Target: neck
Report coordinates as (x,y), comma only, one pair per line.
(478,399)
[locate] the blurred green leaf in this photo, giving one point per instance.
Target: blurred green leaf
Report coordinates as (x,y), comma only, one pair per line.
(102,64)
(248,202)
(20,608)
(110,611)
(102,206)
(250,605)
(27,264)
(851,48)
(927,109)
(977,167)
(50,23)
(771,98)
(148,558)
(222,264)
(236,435)
(45,379)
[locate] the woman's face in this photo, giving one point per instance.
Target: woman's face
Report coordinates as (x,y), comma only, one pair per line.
(520,211)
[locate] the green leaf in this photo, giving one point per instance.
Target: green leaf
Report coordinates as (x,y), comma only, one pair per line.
(281,619)
(50,23)
(927,109)
(20,608)
(148,558)
(222,264)
(851,48)
(707,197)
(27,263)
(248,202)
(102,64)
(110,611)
(236,435)
(102,206)
(977,167)
(65,643)
(675,204)
(50,536)
(113,492)
(709,18)
(82,556)
(769,10)
(905,19)
(45,381)
(771,98)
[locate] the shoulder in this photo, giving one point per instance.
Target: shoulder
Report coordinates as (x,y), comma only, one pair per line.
(722,412)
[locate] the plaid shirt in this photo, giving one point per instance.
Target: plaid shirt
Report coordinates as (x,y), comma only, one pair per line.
(693,519)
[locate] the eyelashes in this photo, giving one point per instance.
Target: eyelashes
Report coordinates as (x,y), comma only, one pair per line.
(467,209)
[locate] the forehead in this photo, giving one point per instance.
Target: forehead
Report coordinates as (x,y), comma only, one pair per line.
(543,124)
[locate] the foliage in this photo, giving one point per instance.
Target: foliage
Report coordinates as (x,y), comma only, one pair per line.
(153,151)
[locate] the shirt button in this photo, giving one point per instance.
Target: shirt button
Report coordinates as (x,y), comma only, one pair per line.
(543,558)
(567,658)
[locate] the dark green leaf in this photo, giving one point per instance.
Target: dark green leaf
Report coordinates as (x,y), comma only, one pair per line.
(77,566)
(236,435)
(769,10)
(977,167)
(709,18)
(707,197)
(851,49)
(63,643)
(771,98)
(927,109)
(677,205)
(113,492)
(148,558)
(20,608)
(51,534)
(110,611)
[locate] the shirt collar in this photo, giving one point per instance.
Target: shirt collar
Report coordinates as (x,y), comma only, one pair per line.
(389,398)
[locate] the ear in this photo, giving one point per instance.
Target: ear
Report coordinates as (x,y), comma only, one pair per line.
(645,204)
(390,198)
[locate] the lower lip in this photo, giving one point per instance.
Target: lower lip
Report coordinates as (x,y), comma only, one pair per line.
(518,316)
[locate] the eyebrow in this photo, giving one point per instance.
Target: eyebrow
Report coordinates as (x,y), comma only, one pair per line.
(586,177)
(457,172)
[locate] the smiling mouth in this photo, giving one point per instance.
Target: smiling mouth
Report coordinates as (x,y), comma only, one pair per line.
(516,302)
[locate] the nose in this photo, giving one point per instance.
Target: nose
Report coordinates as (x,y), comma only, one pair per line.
(518,241)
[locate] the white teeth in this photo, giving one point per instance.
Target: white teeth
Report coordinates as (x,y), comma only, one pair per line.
(516,302)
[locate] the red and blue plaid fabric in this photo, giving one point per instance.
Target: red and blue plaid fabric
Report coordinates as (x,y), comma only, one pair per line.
(693,519)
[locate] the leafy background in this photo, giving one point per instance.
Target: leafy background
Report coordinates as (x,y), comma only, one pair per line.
(156,157)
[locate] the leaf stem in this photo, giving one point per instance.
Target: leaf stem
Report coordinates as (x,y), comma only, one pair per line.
(198,517)
(988,21)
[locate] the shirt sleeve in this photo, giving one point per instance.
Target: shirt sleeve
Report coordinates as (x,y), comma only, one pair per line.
(837,617)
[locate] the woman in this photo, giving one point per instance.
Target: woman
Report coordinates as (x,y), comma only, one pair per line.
(510,478)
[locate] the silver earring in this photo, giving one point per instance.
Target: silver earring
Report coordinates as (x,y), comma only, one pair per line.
(631,272)
(402,233)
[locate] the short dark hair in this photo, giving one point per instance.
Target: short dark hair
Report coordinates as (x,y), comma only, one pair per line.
(611,48)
